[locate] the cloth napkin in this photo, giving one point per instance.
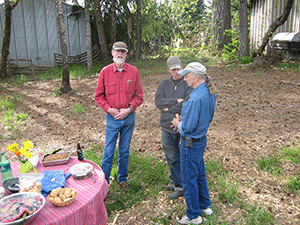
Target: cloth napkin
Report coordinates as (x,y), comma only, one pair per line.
(13,209)
(53,179)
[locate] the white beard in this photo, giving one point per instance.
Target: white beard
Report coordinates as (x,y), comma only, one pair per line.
(119,61)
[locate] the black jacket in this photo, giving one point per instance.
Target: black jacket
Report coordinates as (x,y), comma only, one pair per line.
(166,96)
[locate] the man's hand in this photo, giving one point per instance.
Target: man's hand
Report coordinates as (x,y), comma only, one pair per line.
(123,113)
(179,100)
(175,121)
(113,111)
(165,109)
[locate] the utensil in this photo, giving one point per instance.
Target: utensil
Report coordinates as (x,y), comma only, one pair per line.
(55,151)
(93,176)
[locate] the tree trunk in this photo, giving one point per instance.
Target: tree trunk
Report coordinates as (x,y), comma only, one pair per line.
(130,33)
(88,35)
(272,28)
(221,20)
(244,31)
(139,31)
(65,84)
(6,37)
(100,30)
(113,21)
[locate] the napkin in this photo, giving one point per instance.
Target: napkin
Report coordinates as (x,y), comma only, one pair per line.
(53,179)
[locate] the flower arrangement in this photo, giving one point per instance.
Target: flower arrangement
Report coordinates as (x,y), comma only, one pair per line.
(22,152)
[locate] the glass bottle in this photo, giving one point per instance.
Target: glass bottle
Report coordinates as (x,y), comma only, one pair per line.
(5,168)
(79,153)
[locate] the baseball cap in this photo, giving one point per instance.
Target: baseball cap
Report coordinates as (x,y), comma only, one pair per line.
(120,46)
(174,62)
(193,67)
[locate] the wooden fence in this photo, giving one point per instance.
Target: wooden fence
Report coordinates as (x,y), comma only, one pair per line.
(81,58)
(25,66)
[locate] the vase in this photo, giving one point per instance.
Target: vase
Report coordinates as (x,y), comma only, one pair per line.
(25,165)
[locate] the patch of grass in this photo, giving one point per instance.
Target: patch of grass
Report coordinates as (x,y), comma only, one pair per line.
(273,164)
(220,182)
(57,92)
(259,215)
(290,65)
(14,122)
(17,79)
(246,60)
(270,164)
(258,73)
(78,108)
(9,104)
(291,153)
(294,184)
(147,176)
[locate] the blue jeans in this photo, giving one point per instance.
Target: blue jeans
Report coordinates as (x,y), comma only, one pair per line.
(193,178)
(170,143)
(114,128)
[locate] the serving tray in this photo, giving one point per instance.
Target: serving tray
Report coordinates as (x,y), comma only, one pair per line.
(56,162)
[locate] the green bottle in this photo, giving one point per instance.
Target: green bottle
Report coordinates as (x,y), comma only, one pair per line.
(5,168)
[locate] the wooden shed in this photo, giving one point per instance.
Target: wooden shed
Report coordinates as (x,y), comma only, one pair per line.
(264,12)
(35,35)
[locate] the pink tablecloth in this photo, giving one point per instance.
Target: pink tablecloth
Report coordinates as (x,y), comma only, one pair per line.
(88,207)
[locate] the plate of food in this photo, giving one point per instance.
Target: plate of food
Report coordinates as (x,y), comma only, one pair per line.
(81,170)
(20,208)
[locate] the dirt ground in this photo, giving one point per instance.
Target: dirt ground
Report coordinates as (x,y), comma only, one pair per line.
(257,113)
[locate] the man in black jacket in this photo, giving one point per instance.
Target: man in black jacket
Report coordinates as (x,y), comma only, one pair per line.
(169,96)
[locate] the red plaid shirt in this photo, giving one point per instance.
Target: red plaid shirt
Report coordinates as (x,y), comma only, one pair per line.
(117,89)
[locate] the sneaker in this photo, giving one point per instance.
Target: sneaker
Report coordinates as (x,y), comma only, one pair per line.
(207,211)
(125,186)
(176,194)
(185,220)
(171,185)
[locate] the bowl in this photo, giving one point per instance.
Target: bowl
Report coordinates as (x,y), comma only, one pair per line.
(12,185)
(20,196)
(81,170)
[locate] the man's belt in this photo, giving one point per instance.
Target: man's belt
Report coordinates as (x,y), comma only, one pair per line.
(194,139)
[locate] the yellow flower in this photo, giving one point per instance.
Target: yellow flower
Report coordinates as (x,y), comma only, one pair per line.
(23,150)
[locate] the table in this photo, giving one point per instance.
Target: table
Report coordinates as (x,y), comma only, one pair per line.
(88,207)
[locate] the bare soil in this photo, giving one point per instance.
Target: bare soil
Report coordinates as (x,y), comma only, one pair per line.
(257,113)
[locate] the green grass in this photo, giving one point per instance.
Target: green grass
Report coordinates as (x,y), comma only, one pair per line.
(288,66)
(148,176)
(78,108)
(274,165)
(14,122)
(9,104)
(271,164)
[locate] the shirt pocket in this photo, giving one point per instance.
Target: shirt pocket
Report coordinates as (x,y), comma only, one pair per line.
(111,88)
(129,87)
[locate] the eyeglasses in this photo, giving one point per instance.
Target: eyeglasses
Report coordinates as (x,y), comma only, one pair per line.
(186,76)
(121,51)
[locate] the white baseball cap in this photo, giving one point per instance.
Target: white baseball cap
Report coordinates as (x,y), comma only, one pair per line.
(195,68)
